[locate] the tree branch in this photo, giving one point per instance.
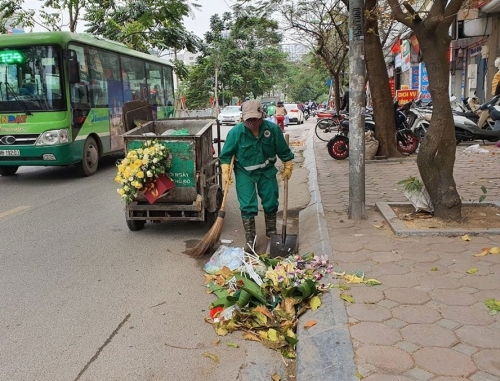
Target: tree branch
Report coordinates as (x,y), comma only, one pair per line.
(412,12)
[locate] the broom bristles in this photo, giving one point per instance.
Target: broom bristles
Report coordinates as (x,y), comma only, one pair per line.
(210,239)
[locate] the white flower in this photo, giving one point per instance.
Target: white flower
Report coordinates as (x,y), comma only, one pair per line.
(149,174)
(156,160)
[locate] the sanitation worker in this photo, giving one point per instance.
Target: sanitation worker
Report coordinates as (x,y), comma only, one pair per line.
(256,145)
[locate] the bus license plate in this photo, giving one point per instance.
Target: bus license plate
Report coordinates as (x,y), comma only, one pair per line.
(10,152)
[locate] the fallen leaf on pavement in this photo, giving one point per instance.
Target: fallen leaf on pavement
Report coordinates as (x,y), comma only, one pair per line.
(466,237)
(493,305)
(434,269)
(232,345)
(472,270)
(347,298)
(310,323)
(211,356)
(495,250)
(378,226)
(315,302)
(276,377)
(358,375)
(484,253)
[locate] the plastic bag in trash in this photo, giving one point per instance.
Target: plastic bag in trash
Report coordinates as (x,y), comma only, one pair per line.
(475,149)
(231,257)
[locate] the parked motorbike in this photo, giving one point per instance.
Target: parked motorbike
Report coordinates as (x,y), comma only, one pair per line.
(466,130)
(407,141)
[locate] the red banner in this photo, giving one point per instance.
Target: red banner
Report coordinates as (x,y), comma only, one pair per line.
(405,96)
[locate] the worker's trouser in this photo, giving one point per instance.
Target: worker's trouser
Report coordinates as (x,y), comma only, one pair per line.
(247,189)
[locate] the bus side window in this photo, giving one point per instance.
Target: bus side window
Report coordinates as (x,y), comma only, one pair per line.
(155,83)
(169,88)
(134,79)
(79,91)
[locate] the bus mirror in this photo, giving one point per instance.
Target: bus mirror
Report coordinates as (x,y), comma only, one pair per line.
(73,67)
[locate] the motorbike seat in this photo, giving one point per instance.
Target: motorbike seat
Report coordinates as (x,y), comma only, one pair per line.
(468,115)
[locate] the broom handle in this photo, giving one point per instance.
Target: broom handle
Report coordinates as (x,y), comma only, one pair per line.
(226,190)
(285,199)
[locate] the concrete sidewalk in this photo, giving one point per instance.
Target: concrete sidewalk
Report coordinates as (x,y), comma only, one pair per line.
(428,320)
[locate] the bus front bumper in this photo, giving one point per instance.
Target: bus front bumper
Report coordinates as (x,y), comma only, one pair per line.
(37,155)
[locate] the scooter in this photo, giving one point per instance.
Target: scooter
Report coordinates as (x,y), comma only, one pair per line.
(466,130)
(407,141)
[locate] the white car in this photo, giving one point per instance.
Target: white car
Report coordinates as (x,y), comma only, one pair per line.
(230,115)
(294,114)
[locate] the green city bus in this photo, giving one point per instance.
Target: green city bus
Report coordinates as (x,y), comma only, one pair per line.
(61,98)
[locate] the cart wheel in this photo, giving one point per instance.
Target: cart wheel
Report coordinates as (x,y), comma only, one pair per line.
(212,217)
(135,225)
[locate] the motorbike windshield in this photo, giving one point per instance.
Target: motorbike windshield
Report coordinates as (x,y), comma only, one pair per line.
(31,79)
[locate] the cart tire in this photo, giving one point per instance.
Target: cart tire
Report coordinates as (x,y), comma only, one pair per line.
(90,159)
(212,217)
(135,225)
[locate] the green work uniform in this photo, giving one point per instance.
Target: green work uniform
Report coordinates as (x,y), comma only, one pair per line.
(271,110)
(254,166)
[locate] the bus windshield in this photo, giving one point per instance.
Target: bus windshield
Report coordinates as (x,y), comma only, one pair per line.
(31,79)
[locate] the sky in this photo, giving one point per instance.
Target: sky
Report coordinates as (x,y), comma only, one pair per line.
(199,25)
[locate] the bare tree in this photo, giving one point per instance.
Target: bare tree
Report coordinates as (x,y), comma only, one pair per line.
(436,157)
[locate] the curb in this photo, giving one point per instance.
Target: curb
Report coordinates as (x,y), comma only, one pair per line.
(325,352)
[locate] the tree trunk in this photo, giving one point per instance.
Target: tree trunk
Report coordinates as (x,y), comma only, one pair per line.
(436,157)
(383,109)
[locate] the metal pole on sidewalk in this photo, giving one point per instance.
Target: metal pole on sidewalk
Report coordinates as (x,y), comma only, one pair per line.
(357,210)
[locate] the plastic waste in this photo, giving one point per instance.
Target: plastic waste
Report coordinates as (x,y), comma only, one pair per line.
(149,134)
(475,149)
(420,200)
(231,257)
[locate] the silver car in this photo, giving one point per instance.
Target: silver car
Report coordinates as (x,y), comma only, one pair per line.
(295,115)
(230,115)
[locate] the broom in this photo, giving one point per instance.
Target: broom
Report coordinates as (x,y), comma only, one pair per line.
(213,235)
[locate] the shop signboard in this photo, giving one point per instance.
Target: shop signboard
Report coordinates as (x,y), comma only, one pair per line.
(423,86)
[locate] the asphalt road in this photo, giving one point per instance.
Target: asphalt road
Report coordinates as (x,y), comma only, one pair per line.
(84,298)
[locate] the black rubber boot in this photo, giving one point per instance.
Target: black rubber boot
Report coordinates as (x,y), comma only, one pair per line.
(249,226)
(270,220)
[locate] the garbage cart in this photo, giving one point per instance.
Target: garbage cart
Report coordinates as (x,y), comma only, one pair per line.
(197,195)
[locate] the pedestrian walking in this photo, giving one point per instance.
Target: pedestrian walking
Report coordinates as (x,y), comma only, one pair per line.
(280,112)
(256,145)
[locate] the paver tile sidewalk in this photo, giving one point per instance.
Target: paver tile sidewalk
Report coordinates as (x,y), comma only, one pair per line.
(428,320)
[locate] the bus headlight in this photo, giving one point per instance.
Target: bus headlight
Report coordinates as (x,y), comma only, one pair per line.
(51,137)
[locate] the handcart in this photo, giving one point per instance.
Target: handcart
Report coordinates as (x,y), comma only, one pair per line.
(197,195)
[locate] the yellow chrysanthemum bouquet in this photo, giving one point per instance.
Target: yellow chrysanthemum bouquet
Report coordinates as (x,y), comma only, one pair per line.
(142,167)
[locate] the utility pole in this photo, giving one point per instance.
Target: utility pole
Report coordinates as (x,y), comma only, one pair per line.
(357,207)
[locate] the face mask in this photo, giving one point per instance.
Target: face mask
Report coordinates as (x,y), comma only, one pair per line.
(253,123)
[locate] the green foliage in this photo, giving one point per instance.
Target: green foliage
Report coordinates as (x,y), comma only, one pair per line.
(306,81)
(483,196)
(412,184)
(246,55)
(52,15)
(143,24)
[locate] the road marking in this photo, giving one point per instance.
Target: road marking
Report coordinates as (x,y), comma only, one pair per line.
(14,211)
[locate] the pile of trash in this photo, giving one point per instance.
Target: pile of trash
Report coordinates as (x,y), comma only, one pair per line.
(263,296)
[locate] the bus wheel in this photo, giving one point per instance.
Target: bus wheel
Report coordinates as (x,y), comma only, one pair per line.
(8,170)
(90,159)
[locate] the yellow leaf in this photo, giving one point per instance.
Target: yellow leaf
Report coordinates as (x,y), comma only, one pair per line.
(310,323)
(211,356)
(216,342)
(272,334)
(347,298)
(466,237)
(378,226)
(354,279)
(472,270)
(263,310)
(495,250)
(276,377)
(483,254)
(315,302)
(250,336)
(358,375)
(263,335)
(372,282)
(221,331)
(232,345)
(434,269)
